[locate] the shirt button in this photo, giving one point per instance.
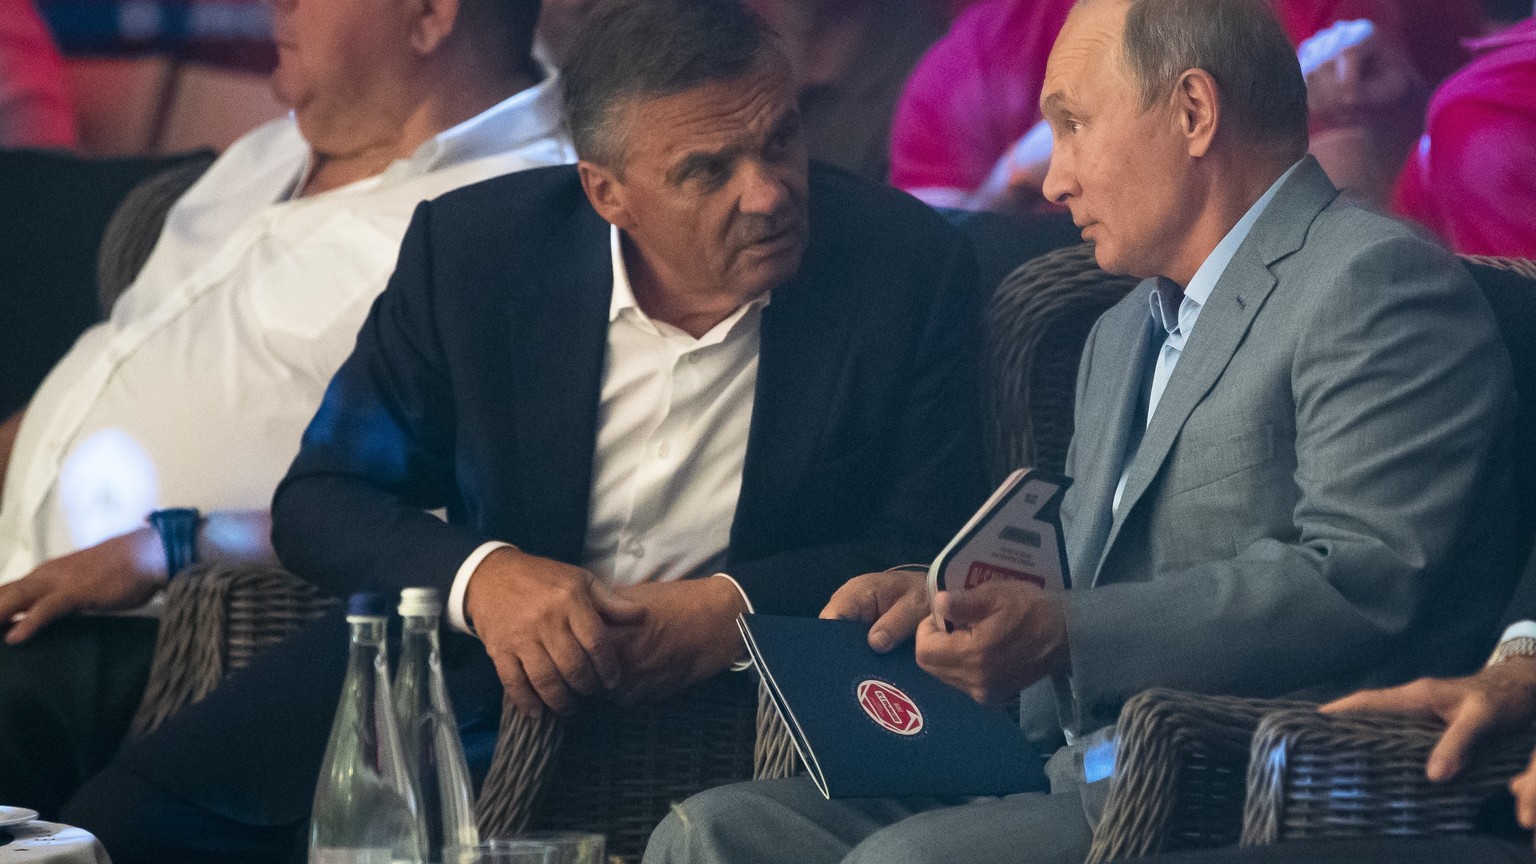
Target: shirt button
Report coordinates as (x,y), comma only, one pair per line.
(664,450)
(635,549)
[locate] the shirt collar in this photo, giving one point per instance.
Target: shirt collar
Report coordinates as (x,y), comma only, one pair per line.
(623,293)
(623,296)
(1204,281)
(522,118)
(525,117)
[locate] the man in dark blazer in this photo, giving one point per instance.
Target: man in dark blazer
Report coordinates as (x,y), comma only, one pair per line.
(689,356)
(481,384)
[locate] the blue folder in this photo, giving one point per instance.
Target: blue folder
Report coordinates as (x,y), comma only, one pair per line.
(871,725)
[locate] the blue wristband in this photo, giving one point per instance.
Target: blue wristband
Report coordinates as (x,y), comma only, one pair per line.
(177,527)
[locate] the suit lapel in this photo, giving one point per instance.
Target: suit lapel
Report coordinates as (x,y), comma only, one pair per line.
(1115,417)
(559,340)
(803,348)
(1224,321)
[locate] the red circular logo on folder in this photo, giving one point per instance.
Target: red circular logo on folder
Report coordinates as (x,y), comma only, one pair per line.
(889,707)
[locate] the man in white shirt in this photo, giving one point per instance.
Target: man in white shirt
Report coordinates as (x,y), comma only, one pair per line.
(195,392)
(1285,460)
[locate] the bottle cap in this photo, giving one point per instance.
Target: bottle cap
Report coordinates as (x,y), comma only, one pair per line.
(366,604)
(420,602)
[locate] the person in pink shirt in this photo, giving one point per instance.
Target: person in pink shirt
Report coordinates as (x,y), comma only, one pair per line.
(35,109)
(1472,179)
(973,95)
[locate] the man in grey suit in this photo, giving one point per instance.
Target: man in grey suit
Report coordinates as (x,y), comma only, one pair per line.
(1286,457)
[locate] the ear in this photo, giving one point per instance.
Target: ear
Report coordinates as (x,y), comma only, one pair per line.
(1197,109)
(433,23)
(605,191)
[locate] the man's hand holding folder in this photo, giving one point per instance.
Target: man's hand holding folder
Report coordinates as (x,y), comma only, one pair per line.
(988,615)
(1007,635)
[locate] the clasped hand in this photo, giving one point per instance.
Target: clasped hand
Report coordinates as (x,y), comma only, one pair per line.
(556,633)
(1006,635)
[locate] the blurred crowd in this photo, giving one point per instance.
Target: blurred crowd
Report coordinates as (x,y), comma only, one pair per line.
(1423,107)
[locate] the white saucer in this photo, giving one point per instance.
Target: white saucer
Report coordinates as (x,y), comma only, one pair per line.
(13,816)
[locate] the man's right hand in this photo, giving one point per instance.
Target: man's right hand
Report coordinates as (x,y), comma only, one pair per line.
(1499,698)
(894,602)
(539,621)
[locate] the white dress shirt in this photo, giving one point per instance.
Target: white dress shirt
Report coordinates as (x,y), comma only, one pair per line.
(1519,630)
(1179,327)
(196,391)
(673,418)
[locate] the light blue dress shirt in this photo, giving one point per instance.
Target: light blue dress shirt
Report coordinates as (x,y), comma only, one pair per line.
(1180,323)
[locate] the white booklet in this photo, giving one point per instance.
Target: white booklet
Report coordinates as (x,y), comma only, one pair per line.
(1015,536)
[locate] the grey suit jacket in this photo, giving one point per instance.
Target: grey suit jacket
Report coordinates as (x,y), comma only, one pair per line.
(1311,508)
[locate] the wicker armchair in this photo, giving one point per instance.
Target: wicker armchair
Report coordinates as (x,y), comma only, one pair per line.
(607,770)
(1181,762)
(1315,776)
(1037,322)
(1196,771)
(618,771)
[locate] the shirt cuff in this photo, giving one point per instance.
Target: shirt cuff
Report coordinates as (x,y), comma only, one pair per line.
(456,617)
(1519,630)
(740,665)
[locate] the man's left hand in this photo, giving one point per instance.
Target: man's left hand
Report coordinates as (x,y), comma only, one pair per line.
(1498,698)
(113,576)
(688,634)
(1007,636)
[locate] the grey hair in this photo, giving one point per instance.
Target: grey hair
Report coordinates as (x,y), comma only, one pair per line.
(1241,44)
(651,48)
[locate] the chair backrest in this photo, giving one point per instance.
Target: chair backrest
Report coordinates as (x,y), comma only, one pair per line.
(1003,243)
(1510,286)
(135,227)
(1037,323)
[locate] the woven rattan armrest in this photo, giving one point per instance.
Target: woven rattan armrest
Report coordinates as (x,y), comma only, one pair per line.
(1180,764)
(1321,776)
(217,618)
(618,770)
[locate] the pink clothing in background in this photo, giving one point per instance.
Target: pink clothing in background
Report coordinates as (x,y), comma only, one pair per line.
(1431,31)
(974,93)
(35,108)
(1473,178)
(977,90)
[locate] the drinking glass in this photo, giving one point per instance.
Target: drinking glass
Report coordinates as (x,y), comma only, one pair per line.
(571,847)
(504,851)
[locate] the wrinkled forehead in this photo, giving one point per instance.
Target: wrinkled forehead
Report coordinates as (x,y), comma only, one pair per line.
(715,115)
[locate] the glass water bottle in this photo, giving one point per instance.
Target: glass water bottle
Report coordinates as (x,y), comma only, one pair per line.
(428,730)
(365,806)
